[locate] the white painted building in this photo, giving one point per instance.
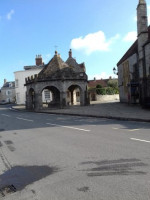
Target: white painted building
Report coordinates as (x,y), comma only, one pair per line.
(20,79)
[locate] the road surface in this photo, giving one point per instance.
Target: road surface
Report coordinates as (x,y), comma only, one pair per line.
(56,157)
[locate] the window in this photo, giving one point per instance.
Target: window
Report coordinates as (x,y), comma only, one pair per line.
(135,73)
(47,94)
(77,94)
(8,92)
(17,97)
(17,83)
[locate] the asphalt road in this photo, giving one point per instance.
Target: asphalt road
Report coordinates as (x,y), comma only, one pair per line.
(56,157)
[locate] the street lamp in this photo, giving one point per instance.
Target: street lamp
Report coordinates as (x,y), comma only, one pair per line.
(115,71)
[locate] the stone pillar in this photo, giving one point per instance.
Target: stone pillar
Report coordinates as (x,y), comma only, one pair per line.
(63,99)
(28,102)
(82,98)
(38,101)
(74,98)
(72,102)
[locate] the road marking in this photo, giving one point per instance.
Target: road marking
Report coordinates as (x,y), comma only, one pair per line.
(69,127)
(134,130)
(115,128)
(5,115)
(140,140)
(29,120)
(131,130)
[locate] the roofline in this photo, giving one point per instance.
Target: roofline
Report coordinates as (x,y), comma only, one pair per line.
(125,56)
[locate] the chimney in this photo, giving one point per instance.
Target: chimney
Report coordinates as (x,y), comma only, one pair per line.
(70,53)
(38,60)
(5,81)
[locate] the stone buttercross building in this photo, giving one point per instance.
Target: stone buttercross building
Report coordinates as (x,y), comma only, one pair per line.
(62,79)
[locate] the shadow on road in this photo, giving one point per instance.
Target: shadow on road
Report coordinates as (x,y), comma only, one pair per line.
(21,176)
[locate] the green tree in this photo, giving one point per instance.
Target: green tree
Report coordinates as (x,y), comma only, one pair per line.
(113,83)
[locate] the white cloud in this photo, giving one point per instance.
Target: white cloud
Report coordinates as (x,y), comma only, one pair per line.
(93,42)
(130,37)
(9,15)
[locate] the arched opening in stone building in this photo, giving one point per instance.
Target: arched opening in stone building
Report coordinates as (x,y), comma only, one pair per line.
(50,97)
(31,97)
(74,93)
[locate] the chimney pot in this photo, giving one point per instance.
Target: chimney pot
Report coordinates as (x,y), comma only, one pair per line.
(38,60)
(5,81)
(70,53)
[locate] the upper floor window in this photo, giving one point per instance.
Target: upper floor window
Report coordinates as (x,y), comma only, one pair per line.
(16,83)
(8,92)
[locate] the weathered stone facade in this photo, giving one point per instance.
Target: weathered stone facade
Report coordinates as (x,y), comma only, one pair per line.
(134,66)
(61,78)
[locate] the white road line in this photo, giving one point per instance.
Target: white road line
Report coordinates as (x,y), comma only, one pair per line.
(140,140)
(134,130)
(115,128)
(29,120)
(5,115)
(131,130)
(69,127)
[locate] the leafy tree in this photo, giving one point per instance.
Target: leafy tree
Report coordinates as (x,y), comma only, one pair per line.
(113,83)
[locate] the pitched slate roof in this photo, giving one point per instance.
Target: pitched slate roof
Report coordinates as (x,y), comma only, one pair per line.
(10,84)
(77,67)
(56,66)
(94,83)
(133,49)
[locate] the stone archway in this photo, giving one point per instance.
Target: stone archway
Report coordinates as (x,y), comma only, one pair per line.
(31,99)
(54,96)
(61,78)
(74,95)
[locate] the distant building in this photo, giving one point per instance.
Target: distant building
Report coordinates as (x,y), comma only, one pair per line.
(134,66)
(92,84)
(20,76)
(8,91)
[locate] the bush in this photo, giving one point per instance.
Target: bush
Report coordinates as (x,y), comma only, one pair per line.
(112,83)
(101,91)
(99,86)
(110,91)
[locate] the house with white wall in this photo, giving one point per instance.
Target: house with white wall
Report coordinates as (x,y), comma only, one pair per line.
(20,76)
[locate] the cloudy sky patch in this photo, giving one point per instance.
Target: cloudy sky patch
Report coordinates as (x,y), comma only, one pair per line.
(93,42)
(9,15)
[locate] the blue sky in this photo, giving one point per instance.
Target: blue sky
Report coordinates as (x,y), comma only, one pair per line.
(99,33)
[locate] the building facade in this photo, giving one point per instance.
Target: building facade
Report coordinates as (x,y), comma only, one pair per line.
(63,79)
(20,76)
(134,66)
(8,91)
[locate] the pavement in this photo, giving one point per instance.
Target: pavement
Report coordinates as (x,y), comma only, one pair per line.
(110,110)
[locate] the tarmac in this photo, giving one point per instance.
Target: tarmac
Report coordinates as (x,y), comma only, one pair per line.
(110,110)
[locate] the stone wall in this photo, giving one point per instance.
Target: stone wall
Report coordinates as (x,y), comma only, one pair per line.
(107,98)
